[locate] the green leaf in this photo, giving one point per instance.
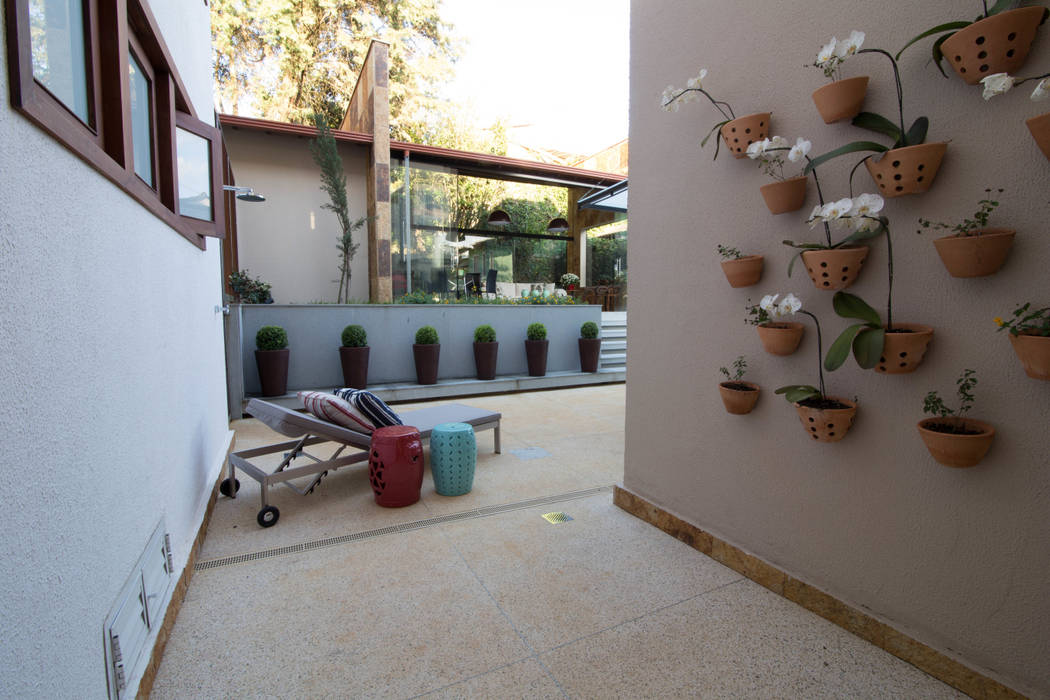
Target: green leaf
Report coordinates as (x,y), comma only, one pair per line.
(867,347)
(938,54)
(714,129)
(843,150)
(947,27)
(877,123)
(917,132)
(852,306)
(798,392)
(860,236)
(839,350)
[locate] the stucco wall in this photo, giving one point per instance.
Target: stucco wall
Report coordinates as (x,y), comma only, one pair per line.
(955,558)
(289,240)
(113,410)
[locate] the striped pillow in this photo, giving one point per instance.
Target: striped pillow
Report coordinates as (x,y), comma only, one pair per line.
(370,405)
(335,410)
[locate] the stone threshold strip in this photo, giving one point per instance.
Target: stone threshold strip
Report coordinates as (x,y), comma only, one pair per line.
(393,529)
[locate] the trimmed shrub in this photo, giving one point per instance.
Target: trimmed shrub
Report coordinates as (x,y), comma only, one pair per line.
(536,331)
(484,334)
(427,335)
(589,330)
(271,338)
(354,336)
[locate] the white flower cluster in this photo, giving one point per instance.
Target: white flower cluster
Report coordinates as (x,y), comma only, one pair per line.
(796,153)
(1000,83)
(835,52)
(860,211)
(673,97)
(788,306)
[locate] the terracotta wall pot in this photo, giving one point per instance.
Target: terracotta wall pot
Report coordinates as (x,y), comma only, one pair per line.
(953,450)
(739,401)
(780,338)
(842,99)
(590,349)
(786,196)
(273,371)
(903,352)
(743,272)
(355,366)
(975,256)
(1034,353)
(827,424)
(740,133)
(908,170)
(836,268)
(485,359)
(426,357)
(536,357)
(1040,128)
(998,44)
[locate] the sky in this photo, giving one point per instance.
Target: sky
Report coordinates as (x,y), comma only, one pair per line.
(558,66)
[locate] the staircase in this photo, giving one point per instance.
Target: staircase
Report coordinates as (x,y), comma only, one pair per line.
(614,342)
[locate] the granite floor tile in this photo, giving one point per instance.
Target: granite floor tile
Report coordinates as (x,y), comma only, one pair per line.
(527,680)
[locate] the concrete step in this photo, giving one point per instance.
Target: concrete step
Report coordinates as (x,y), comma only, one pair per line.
(609,345)
(614,332)
(613,358)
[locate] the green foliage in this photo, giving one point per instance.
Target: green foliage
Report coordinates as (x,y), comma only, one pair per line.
(739,367)
(271,338)
(536,331)
(569,279)
(354,336)
(484,334)
(865,339)
(427,335)
(589,330)
(985,207)
(756,315)
(536,259)
(248,290)
(419,297)
(729,253)
(798,392)
(1029,322)
(935,406)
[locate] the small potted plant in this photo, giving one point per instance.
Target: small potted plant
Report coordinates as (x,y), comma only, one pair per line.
(590,347)
(952,439)
(824,418)
(1030,336)
(569,281)
(536,349)
(353,356)
(271,357)
(738,132)
(426,352)
(738,396)
(841,98)
(973,250)
(249,290)
(787,194)
(833,266)
(740,270)
(778,337)
(485,351)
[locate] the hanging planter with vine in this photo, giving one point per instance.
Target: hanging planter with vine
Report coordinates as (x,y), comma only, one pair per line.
(974,249)
(737,132)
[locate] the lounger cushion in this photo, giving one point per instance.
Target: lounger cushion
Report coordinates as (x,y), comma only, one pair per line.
(370,405)
(335,410)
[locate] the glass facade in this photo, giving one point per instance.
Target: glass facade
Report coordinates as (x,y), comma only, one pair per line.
(194,169)
(141,119)
(56,30)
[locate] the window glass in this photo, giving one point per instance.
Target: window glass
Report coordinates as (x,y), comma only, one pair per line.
(195,178)
(56,30)
(141,120)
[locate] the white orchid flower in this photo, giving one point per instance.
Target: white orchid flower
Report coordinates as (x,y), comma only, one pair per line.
(996,84)
(776,142)
(667,99)
(1042,90)
(769,303)
(697,83)
(865,223)
(867,205)
(814,216)
(827,52)
(756,149)
(836,210)
(789,305)
(849,46)
(800,150)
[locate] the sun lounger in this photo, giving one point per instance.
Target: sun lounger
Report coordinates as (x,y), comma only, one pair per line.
(310,430)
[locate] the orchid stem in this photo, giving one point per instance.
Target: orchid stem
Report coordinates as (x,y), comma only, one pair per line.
(820,353)
(900,93)
(889,294)
(715,102)
(820,196)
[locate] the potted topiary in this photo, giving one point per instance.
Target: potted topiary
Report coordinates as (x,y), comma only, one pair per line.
(485,350)
(536,349)
(271,357)
(778,337)
(353,356)
(740,270)
(426,352)
(973,250)
(1030,337)
(738,396)
(841,98)
(590,347)
(953,440)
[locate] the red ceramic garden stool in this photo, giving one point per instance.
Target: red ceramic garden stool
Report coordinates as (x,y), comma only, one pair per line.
(395,465)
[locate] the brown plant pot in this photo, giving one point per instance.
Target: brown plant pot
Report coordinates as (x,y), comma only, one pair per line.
(786,196)
(743,272)
(590,349)
(836,268)
(903,352)
(842,99)
(273,371)
(779,338)
(827,424)
(975,256)
(742,132)
(1040,128)
(953,450)
(908,170)
(485,359)
(355,366)
(1034,353)
(426,357)
(998,44)
(536,357)
(739,401)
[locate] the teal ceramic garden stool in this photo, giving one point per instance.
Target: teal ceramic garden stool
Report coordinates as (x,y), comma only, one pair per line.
(453,453)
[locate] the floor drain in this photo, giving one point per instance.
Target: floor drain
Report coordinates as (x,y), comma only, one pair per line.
(555,518)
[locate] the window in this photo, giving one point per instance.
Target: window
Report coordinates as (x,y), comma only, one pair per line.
(140,87)
(60,59)
(195,175)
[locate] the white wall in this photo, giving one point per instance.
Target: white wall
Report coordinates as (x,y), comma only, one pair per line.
(113,408)
(955,558)
(289,240)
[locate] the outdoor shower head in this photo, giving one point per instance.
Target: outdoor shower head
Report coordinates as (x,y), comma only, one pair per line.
(245,194)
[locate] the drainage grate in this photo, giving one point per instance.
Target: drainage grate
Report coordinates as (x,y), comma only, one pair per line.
(558,517)
(404,527)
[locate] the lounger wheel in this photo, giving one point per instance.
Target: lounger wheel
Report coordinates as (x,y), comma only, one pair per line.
(224,487)
(267,517)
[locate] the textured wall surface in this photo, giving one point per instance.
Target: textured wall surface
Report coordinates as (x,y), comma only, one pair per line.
(113,381)
(955,558)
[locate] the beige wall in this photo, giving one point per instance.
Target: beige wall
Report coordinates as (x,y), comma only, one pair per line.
(956,558)
(289,240)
